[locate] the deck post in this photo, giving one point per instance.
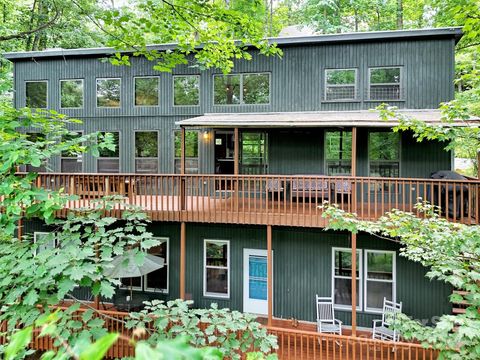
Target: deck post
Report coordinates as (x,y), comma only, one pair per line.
(354,235)
(478,164)
(182,168)
(19,228)
(269,276)
(236,148)
(183,234)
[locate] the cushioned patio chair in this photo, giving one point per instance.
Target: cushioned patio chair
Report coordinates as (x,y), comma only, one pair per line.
(326,322)
(310,188)
(382,328)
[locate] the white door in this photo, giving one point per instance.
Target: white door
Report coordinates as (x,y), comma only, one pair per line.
(255,292)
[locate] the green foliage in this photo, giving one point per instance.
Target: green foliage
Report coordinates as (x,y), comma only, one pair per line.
(221,327)
(450,251)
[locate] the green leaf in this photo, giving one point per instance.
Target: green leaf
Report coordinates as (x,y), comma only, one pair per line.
(18,342)
(99,348)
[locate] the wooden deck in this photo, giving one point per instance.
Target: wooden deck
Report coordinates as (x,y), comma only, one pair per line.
(265,200)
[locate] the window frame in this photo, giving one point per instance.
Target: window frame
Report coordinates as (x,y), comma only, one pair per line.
(393,281)
(46,233)
(134,150)
(228,268)
(167,263)
(326,159)
(119,151)
(80,156)
(199,90)
(359,279)
(369,161)
(400,84)
(47,97)
(356,97)
(242,103)
(60,94)
(175,158)
(135,87)
(119,97)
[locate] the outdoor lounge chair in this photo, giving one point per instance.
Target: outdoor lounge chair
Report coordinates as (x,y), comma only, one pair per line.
(326,322)
(382,327)
(310,188)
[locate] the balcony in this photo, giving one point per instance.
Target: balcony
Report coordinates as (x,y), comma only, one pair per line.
(287,200)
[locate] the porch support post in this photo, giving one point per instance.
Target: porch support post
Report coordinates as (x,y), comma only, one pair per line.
(183,235)
(269,276)
(236,148)
(182,168)
(354,284)
(478,164)
(354,235)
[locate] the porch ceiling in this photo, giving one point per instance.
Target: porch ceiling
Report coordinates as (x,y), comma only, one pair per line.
(359,118)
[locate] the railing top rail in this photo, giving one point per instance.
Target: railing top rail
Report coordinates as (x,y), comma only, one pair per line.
(343,337)
(267,176)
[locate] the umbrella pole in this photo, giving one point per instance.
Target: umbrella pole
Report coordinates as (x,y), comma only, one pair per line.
(131,290)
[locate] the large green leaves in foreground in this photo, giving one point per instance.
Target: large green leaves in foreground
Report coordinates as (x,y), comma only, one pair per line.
(450,251)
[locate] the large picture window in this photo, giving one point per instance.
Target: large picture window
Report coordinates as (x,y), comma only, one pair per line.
(71,94)
(146,91)
(340,84)
(216,276)
(385,83)
(108,93)
(157,281)
(254,159)
(36,94)
(338,152)
(71,161)
(239,89)
(191,151)
(186,90)
(379,278)
(342,277)
(109,160)
(384,153)
(146,152)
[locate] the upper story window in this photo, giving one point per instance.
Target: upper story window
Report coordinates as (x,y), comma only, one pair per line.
(384,153)
(186,90)
(385,83)
(146,91)
(146,152)
(71,94)
(338,152)
(241,89)
(71,161)
(109,160)
(108,92)
(254,153)
(191,151)
(340,84)
(36,94)
(216,276)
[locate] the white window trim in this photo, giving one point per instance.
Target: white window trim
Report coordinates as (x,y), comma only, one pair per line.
(135,158)
(173,90)
(78,157)
(242,103)
(96,93)
(393,281)
(360,277)
(167,261)
(135,87)
(210,294)
(35,81)
(400,84)
(60,94)
(119,151)
(355,85)
(43,233)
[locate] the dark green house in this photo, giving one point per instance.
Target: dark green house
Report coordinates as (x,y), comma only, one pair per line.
(249,156)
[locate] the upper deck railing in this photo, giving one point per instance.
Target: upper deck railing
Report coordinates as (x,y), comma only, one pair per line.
(289,200)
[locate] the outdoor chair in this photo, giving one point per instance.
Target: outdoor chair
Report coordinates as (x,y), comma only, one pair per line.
(326,322)
(275,188)
(310,189)
(382,327)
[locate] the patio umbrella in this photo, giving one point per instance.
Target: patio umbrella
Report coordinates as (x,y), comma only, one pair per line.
(125,266)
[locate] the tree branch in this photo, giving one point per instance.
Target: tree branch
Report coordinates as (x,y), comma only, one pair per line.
(33,31)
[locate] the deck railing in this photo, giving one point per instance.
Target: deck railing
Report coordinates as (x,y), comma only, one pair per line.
(267,199)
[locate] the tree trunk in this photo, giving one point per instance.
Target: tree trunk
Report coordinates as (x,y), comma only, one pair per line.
(399,14)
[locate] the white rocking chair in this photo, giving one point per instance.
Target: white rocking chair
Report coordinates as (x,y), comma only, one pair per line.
(326,322)
(381,327)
